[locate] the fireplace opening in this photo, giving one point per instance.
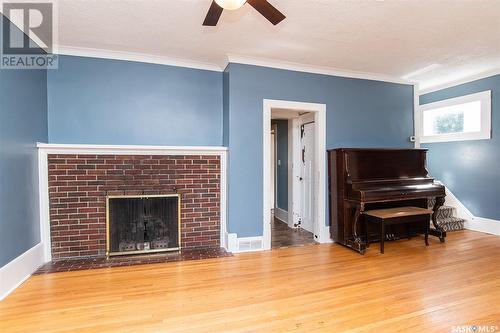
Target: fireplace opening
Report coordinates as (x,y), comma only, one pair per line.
(142,224)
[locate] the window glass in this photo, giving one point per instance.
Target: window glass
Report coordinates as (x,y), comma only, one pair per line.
(466,117)
(458,118)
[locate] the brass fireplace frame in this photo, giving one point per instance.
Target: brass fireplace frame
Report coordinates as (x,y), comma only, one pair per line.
(108,197)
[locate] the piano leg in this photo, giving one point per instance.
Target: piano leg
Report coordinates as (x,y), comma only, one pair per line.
(437,231)
(357,243)
(427,228)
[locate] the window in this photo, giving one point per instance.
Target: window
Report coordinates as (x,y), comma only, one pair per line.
(462,118)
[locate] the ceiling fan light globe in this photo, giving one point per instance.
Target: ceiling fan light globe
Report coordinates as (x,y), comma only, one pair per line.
(230,4)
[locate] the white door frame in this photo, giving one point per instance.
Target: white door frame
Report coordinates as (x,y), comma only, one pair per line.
(320,165)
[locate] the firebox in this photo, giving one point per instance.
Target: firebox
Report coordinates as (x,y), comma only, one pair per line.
(142,224)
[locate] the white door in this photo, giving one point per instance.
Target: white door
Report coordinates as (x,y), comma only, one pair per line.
(307,179)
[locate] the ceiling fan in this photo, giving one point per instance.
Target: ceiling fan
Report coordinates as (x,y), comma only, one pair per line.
(262,6)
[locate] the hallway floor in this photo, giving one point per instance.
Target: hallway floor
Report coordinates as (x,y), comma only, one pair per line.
(283,236)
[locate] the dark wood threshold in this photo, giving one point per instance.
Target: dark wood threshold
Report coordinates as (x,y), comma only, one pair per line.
(283,236)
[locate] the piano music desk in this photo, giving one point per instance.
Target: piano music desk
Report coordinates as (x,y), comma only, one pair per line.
(398,215)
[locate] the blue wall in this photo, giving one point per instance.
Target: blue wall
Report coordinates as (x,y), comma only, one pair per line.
(360,113)
(225,108)
(282,168)
(118,102)
(101,101)
(23,122)
(470,169)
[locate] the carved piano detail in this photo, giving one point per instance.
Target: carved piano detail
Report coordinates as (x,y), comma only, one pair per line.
(366,178)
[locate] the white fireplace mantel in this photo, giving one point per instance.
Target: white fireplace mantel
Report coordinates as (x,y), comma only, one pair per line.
(56,148)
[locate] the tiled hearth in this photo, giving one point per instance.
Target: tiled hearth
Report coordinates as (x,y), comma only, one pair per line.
(79,184)
(68,265)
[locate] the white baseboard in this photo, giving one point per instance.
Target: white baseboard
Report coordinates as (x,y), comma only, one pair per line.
(244,244)
(13,274)
(472,222)
(461,211)
(281,214)
(231,242)
(325,237)
(481,224)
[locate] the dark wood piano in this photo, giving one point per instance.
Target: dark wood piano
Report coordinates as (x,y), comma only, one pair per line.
(366,178)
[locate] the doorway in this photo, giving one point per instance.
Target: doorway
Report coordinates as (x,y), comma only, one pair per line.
(294,174)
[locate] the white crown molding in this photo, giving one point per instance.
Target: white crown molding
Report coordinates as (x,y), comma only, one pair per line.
(466,79)
(263,62)
(171,61)
(137,57)
(292,66)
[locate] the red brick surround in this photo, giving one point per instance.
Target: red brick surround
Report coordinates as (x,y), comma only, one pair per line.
(78,185)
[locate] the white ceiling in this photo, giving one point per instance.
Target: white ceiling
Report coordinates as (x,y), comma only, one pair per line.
(443,40)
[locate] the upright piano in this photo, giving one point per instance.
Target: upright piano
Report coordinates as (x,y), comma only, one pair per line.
(366,178)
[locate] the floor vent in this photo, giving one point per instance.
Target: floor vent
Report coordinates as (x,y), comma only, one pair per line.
(250,244)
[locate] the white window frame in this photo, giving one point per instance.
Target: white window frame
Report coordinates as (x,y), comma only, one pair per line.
(485,133)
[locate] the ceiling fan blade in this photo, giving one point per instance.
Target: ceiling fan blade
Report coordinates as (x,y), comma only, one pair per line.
(213,15)
(267,10)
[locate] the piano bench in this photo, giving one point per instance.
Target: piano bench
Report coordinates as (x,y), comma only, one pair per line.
(398,215)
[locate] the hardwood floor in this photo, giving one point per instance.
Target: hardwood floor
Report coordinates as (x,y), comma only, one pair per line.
(323,288)
(283,236)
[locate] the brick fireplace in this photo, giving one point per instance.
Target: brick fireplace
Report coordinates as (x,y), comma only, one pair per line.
(79,184)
